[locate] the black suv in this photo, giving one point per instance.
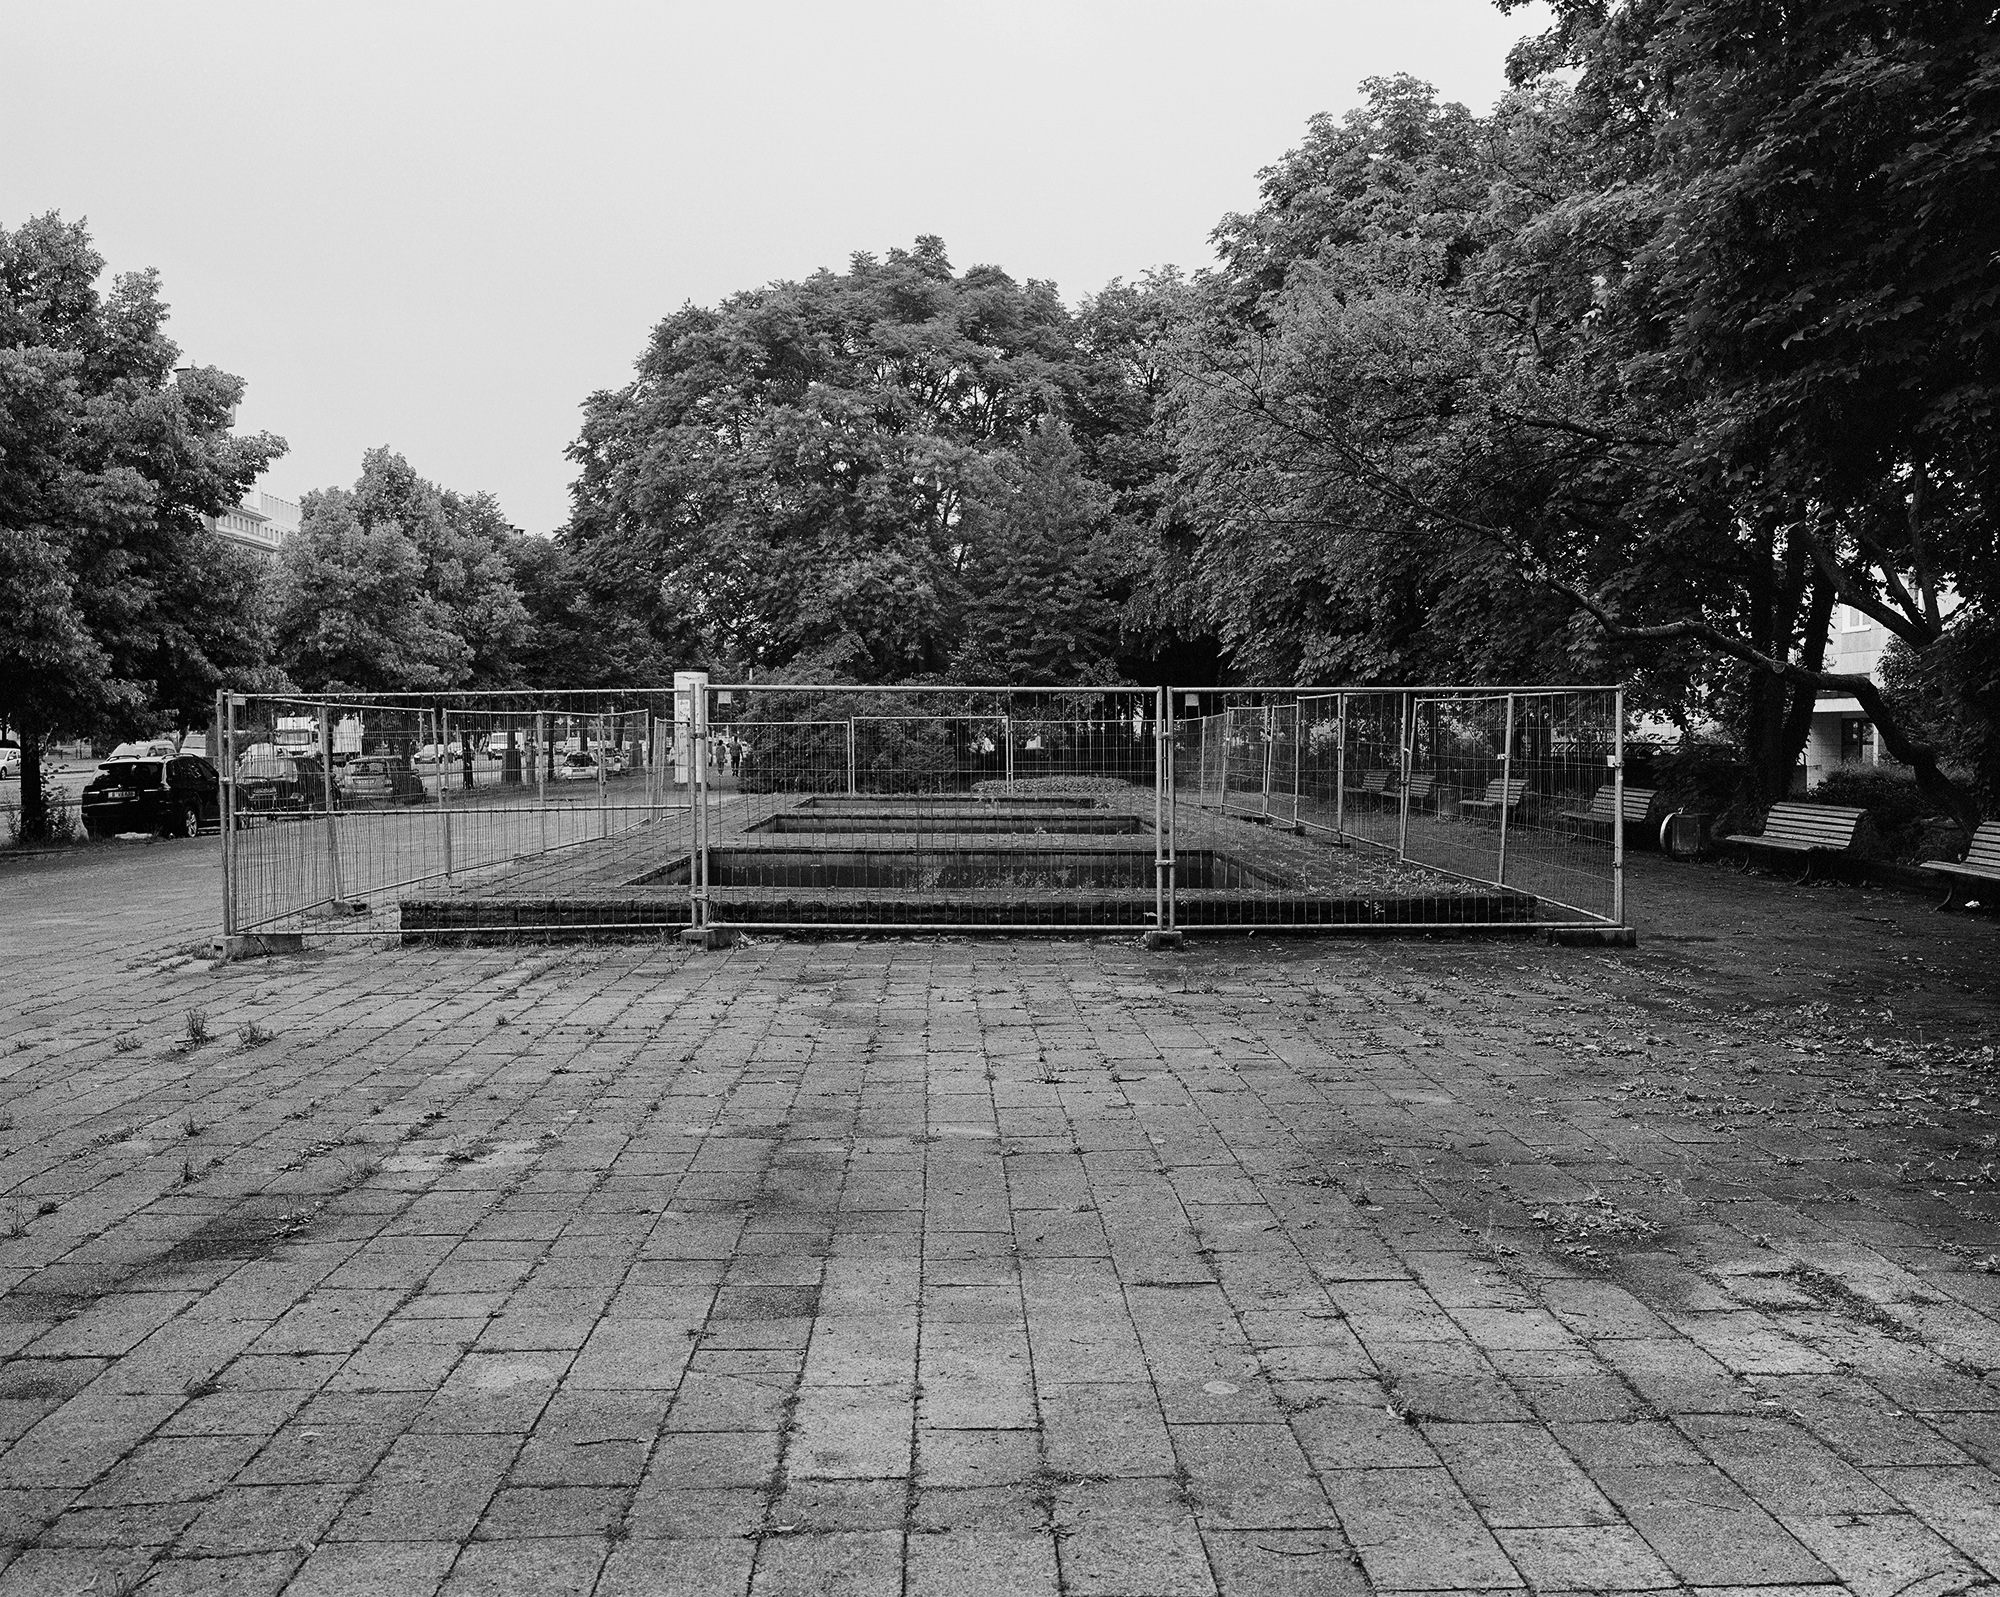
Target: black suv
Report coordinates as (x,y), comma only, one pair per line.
(175,797)
(274,785)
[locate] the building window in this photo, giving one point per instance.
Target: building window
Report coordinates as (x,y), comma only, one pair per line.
(1857,741)
(1852,620)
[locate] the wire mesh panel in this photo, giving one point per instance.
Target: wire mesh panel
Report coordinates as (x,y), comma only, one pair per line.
(339,811)
(912,807)
(1408,807)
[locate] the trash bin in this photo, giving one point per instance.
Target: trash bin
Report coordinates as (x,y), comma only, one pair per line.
(1684,835)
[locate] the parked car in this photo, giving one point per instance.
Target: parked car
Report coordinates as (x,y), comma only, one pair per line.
(576,768)
(379,779)
(145,749)
(174,797)
(280,785)
(10,760)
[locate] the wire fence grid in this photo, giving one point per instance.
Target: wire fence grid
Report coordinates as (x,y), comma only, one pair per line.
(790,807)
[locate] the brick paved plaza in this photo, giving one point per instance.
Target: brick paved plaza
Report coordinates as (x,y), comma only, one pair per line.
(960,1266)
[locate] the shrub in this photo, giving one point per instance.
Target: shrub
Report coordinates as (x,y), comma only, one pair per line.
(1708,779)
(1891,797)
(1907,825)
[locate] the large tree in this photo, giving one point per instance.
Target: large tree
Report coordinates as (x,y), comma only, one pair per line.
(1452,397)
(120,605)
(398,585)
(789,478)
(1816,274)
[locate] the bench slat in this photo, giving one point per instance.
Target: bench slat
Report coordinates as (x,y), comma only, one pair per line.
(1799,828)
(1982,858)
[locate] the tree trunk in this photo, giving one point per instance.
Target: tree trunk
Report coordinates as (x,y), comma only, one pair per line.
(34,801)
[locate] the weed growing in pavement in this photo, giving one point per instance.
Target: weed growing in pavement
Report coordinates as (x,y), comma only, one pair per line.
(191,1127)
(47,1206)
(201,1386)
(197,1028)
(6,1122)
(17,1221)
(253,1035)
(189,1175)
(126,1042)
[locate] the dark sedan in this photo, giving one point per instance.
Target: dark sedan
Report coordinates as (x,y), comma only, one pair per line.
(278,785)
(379,779)
(174,797)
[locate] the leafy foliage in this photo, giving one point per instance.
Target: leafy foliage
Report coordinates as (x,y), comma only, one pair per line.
(399,585)
(835,471)
(120,607)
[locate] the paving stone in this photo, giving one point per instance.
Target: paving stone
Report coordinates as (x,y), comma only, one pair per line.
(1884,1555)
(830,1564)
(1284,1563)
(1580,1558)
(1129,1538)
(703,1567)
(557,1566)
(1415,1531)
(978,1563)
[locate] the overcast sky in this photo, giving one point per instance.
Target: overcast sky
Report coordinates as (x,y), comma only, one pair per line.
(441,226)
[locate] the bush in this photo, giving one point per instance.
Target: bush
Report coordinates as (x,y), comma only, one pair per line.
(1907,825)
(1892,798)
(1708,779)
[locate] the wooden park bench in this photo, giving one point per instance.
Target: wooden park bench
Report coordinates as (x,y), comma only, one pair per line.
(1419,789)
(1500,794)
(1809,830)
(1376,784)
(1638,803)
(1981,863)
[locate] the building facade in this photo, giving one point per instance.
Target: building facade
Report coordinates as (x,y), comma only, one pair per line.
(262,522)
(1842,735)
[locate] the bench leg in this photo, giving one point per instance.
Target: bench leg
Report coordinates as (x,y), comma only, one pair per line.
(1806,874)
(1950,892)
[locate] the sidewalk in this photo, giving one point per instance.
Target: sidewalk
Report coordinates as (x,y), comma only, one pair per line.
(957,1266)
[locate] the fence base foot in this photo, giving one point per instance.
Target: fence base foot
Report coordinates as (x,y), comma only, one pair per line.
(1158,940)
(1593,936)
(710,936)
(254,945)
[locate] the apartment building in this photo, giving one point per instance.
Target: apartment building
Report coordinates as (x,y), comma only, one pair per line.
(262,522)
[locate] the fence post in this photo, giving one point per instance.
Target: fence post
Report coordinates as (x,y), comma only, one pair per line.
(1163,802)
(1298,761)
(225,722)
(850,756)
(698,793)
(1340,765)
(1408,735)
(603,816)
(332,832)
(1618,806)
(541,775)
(1506,789)
(1007,732)
(443,729)
(1270,752)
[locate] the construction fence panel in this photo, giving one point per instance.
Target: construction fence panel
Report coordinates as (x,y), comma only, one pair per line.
(929,807)
(1430,807)
(340,809)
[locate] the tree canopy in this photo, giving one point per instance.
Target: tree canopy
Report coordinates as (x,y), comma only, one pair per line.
(834,471)
(120,606)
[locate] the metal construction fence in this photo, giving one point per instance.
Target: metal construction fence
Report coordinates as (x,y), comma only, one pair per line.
(783,807)
(334,805)
(1480,797)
